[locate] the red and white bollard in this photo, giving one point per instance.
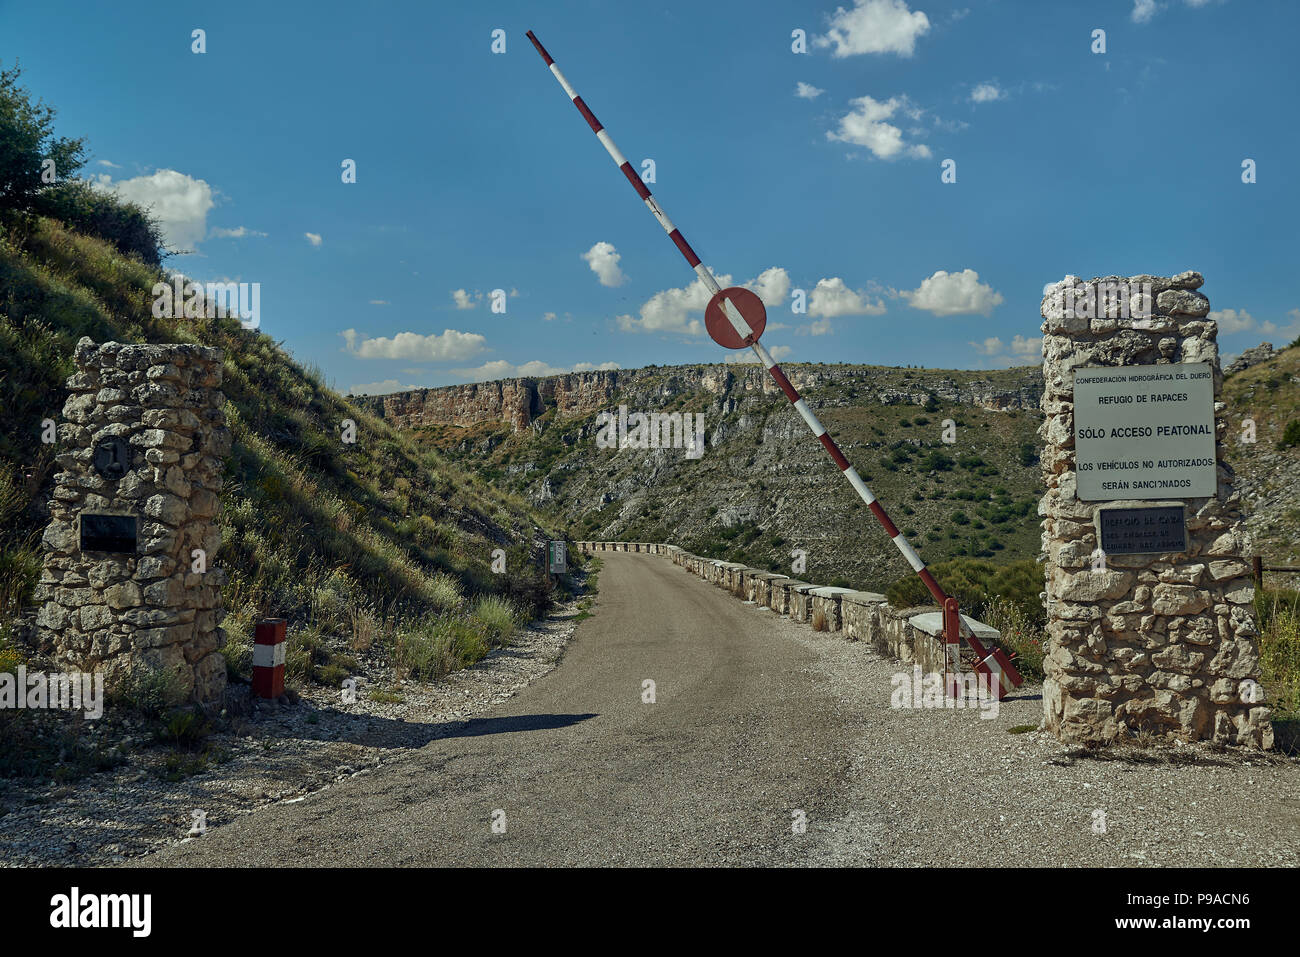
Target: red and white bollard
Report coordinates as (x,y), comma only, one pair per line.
(268,658)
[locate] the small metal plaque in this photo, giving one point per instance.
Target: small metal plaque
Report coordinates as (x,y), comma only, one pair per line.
(558,559)
(1136,531)
(112,458)
(108,533)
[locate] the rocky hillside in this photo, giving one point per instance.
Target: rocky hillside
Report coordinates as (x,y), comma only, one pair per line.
(763,487)
(518,402)
(1268,393)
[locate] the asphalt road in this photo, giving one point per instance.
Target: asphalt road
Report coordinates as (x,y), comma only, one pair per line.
(585,771)
(756,718)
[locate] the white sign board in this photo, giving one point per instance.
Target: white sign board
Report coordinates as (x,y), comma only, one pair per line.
(1144,431)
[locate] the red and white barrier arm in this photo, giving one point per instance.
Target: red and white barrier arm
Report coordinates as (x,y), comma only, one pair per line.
(992,662)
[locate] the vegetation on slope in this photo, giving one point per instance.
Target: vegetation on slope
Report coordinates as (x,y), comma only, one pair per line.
(367,548)
(766,489)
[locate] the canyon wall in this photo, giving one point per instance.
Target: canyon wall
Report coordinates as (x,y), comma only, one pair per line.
(518,402)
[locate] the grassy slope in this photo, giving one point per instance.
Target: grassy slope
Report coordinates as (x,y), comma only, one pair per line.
(379,537)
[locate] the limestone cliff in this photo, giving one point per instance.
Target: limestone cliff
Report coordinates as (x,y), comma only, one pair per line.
(517,402)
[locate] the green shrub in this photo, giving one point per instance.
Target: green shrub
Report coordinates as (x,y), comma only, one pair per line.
(1020,635)
(976,582)
(936,461)
(498,617)
(1290,435)
(93,212)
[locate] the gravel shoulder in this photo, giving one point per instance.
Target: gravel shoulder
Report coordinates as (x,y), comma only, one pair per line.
(272,753)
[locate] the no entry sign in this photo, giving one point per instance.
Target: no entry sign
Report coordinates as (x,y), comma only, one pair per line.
(721,325)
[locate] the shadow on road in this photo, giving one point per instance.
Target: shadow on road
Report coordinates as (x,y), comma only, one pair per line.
(523,722)
(378,732)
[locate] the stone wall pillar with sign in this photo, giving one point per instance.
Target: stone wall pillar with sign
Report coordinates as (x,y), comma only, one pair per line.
(1149,593)
(128,578)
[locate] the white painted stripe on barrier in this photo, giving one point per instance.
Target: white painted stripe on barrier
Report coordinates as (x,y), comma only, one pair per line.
(737,320)
(909,553)
(659,214)
(608,143)
(856,481)
(573,94)
(764,356)
(268,656)
(817,428)
(706,277)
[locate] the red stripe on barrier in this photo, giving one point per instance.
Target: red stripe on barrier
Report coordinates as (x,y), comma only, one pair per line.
(692,259)
(540,49)
(635,180)
(784,383)
(834,449)
(587,115)
(933,585)
(890,529)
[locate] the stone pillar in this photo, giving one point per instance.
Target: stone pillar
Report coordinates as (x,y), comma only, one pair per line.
(1157,642)
(128,576)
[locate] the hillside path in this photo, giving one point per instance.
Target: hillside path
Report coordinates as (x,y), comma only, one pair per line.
(755,718)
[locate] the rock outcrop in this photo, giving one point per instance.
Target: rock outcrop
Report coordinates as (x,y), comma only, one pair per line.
(517,402)
(1251,357)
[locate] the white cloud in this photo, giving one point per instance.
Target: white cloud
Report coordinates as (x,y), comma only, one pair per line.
(806,91)
(1021,350)
(1232,320)
(108,164)
(313,238)
(989,347)
(1289,332)
(987,93)
(379,388)
(463,299)
(874,26)
(831,298)
(501,369)
(448,346)
(772,285)
(1143,11)
(237,233)
(865,126)
(179,202)
(379,302)
(746,356)
(548,316)
(603,260)
(821,327)
(670,310)
(952,294)
(1027,348)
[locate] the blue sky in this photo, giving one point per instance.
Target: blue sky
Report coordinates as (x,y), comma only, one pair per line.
(474,172)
